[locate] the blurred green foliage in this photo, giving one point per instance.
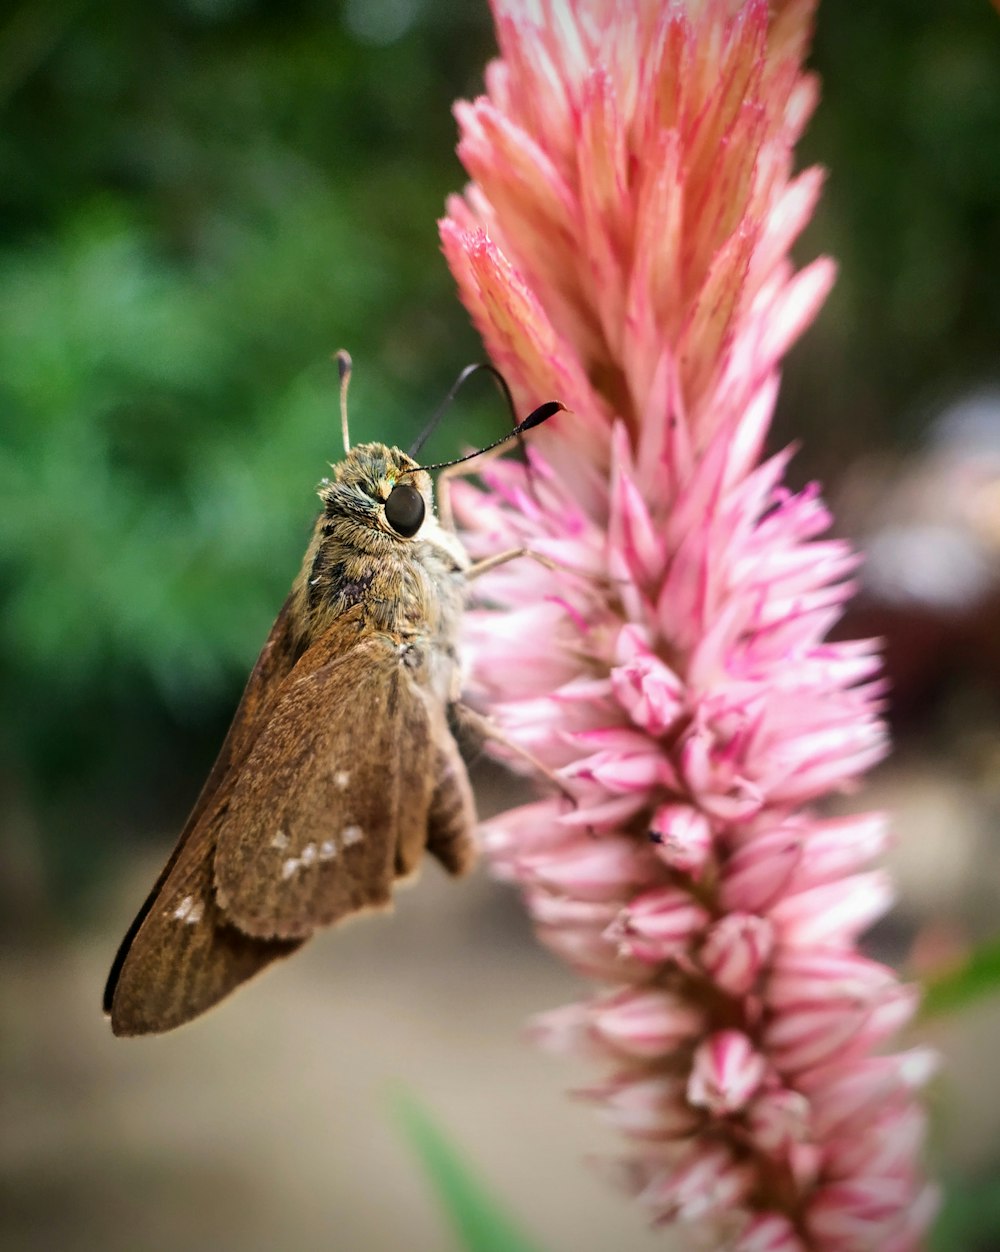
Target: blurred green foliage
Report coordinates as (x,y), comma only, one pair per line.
(479,1221)
(201,199)
(976,978)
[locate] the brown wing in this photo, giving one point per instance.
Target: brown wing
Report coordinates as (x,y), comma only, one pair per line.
(184,957)
(141,993)
(338,794)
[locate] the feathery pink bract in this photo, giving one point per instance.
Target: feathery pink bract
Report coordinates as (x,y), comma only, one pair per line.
(623,247)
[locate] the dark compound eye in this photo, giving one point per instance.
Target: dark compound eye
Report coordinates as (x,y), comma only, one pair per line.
(405,509)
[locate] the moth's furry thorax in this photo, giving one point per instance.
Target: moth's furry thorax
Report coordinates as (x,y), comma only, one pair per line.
(413,587)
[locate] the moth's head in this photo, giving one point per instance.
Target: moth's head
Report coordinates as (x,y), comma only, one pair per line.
(382,487)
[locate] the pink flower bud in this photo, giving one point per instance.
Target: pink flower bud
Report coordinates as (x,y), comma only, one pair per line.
(708,1181)
(565,1029)
(818,975)
(917,1219)
(769,1232)
(736,950)
(527,829)
(557,910)
(647,1108)
(858,1215)
(682,837)
(715,773)
(890,1145)
(603,868)
(844,1095)
(759,871)
(725,1074)
(645,1023)
(778,1119)
(836,847)
(838,1026)
(636,763)
(591,954)
(648,690)
(595,812)
(835,913)
(658,925)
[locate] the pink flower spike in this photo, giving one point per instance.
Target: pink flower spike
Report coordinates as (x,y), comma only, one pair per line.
(623,247)
(726,1073)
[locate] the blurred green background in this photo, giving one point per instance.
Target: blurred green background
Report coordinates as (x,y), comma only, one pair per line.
(199,201)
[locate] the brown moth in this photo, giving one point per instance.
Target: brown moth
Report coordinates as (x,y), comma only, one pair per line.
(339,768)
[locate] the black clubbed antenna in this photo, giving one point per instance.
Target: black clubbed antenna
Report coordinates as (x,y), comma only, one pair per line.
(456,387)
(535,418)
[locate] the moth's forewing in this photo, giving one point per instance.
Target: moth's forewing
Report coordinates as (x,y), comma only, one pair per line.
(336,797)
(139,1008)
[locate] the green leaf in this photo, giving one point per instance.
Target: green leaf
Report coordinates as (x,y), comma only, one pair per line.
(481,1223)
(979,976)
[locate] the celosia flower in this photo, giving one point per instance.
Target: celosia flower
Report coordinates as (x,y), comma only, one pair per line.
(623,247)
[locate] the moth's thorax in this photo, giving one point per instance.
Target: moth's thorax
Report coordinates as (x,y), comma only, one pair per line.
(412,587)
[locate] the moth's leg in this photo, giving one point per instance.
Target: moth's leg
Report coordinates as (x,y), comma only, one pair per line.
(487,729)
(512,554)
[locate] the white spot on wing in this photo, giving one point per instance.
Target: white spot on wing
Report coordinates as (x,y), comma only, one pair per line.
(280,840)
(195,913)
(289,866)
(351,834)
(341,778)
(327,850)
(181,912)
(308,854)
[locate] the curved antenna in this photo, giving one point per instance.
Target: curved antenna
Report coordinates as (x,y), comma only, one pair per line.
(343,359)
(456,387)
(534,418)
